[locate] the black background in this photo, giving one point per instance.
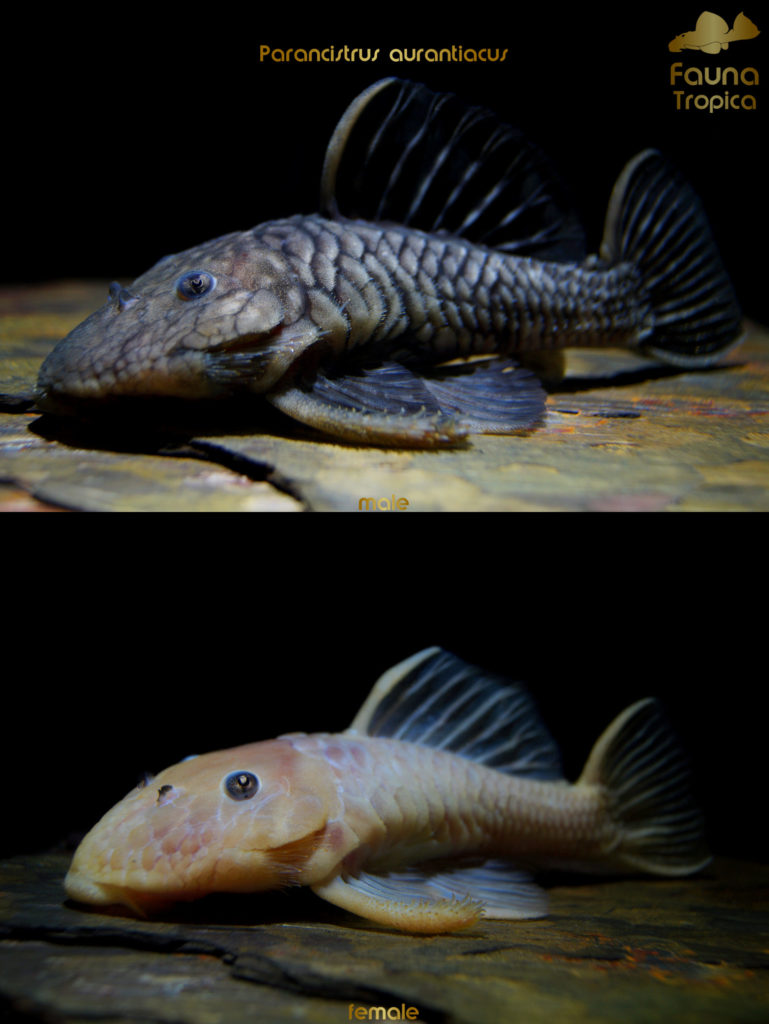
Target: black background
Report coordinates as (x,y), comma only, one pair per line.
(140,132)
(140,646)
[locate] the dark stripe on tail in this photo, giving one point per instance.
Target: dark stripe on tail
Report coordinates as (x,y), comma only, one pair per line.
(656,221)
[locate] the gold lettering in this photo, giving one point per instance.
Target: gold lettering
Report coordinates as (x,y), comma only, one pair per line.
(391,504)
(749,76)
(401,1012)
(693,76)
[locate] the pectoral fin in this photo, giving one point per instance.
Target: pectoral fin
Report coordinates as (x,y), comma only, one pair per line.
(391,404)
(386,405)
(431,900)
(383,900)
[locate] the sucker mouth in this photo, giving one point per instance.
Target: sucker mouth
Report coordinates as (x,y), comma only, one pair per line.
(85,890)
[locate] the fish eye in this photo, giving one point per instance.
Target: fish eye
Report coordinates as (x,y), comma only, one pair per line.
(241,785)
(195,283)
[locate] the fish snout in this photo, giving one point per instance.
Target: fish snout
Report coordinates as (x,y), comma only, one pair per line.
(114,353)
(70,370)
(83,889)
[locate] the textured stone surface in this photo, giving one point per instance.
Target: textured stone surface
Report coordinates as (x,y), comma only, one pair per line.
(689,950)
(621,434)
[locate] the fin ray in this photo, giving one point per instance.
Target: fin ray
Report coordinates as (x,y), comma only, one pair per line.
(639,762)
(390,403)
(494,396)
(423,700)
(656,221)
(435,897)
(399,904)
(386,404)
(404,153)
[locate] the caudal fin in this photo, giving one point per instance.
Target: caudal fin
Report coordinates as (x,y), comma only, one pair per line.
(639,763)
(656,221)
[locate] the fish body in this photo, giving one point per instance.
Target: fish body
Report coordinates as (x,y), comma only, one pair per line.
(430,811)
(712,34)
(443,235)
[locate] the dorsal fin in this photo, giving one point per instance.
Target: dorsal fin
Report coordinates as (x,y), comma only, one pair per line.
(439,700)
(404,154)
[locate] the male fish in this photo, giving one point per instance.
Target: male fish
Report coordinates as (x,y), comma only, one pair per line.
(424,815)
(443,235)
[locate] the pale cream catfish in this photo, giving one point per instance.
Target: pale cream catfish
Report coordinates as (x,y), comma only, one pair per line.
(426,814)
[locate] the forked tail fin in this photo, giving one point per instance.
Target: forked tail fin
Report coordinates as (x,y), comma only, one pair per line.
(656,221)
(645,774)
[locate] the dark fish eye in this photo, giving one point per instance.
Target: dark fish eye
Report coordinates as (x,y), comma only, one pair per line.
(241,785)
(194,284)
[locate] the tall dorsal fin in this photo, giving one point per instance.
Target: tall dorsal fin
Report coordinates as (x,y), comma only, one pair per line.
(405,154)
(439,700)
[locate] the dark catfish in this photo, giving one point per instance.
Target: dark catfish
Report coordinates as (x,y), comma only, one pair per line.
(446,255)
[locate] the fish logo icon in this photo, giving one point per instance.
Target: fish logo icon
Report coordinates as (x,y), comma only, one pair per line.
(712,34)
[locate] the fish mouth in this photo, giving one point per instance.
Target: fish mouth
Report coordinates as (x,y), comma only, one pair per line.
(83,889)
(247,365)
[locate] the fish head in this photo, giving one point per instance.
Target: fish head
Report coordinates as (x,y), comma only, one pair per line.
(247,819)
(223,317)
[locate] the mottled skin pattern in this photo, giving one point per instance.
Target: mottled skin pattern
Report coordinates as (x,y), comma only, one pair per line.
(435,224)
(327,804)
(418,816)
(406,803)
(311,283)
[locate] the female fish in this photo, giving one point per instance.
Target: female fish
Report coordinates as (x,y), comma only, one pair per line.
(429,812)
